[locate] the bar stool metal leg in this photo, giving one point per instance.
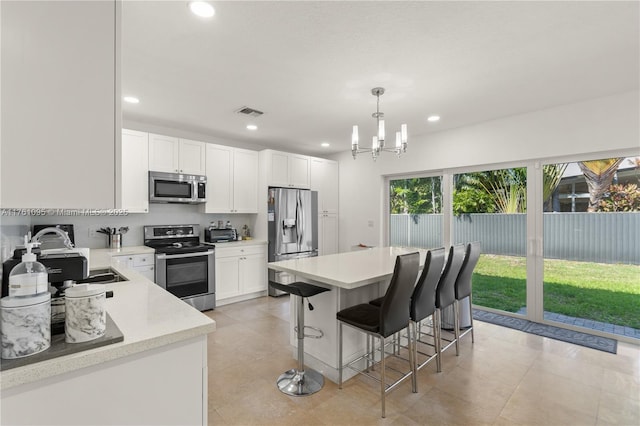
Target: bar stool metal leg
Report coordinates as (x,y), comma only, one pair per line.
(298,381)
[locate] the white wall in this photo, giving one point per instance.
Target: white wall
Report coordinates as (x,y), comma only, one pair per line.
(597,125)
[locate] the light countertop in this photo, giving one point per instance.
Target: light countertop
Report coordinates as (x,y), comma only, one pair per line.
(148,316)
(101,258)
(239,243)
(348,270)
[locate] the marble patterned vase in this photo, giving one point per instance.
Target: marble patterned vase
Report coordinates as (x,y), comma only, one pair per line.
(86,318)
(25,324)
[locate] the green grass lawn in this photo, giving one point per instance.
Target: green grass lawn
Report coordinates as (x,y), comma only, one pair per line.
(596,291)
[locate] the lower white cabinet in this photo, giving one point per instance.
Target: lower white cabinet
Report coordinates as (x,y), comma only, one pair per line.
(144,264)
(241,272)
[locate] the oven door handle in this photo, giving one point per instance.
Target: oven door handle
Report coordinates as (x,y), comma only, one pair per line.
(179,256)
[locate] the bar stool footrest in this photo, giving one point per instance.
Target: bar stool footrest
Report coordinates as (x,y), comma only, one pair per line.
(313,336)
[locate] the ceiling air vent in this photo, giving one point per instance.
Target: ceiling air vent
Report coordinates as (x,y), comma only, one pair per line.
(250,111)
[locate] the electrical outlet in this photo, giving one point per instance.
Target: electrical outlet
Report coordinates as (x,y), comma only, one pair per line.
(92,232)
(370,224)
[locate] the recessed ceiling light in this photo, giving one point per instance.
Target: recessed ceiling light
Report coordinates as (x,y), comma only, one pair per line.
(433,118)
(202,9)
(252,127)
(325,144)
(131,99)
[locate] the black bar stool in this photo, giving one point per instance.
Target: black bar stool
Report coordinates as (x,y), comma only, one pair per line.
(298,381)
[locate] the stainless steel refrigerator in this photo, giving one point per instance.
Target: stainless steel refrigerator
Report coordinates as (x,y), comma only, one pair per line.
(292,215)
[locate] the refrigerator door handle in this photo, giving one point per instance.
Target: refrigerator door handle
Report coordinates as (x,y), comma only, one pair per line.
(299,221)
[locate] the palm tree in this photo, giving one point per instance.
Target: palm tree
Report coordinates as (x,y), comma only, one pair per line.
(599,175)
(551,176)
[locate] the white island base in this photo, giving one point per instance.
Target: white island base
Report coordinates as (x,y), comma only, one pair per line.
(322,354)
(353,277)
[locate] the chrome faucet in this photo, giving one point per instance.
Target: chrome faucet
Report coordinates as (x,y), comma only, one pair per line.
(63,234)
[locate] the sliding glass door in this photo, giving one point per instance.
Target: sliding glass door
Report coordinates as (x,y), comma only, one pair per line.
(560,240)
(490,206)
(591,221)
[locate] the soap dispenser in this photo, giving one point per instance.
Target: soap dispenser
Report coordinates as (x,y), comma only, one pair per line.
(25,315)
(28,277)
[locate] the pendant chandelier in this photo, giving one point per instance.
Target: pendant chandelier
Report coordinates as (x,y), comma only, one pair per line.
(377,143)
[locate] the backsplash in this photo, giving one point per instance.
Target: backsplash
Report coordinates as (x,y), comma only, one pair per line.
(159,214)
(12,232)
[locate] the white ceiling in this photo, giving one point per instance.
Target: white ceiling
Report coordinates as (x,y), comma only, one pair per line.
(310,66)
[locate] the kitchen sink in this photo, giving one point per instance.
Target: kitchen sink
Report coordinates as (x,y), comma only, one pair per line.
(103,276)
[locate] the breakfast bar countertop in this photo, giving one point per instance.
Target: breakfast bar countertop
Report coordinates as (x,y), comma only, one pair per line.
(348,270)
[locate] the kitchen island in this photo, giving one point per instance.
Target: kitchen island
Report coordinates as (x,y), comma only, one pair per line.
(156,375)
(353,277)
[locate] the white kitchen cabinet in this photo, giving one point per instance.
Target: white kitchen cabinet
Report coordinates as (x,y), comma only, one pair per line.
(134,172)
(174,155)
(232,176)
(144,264)
(327,234)
(245,181)
(192,156)
(241,272)
(287,170)
(324,179)
(163,153)
(60,104)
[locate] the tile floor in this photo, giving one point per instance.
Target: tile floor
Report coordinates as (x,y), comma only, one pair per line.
(505,377)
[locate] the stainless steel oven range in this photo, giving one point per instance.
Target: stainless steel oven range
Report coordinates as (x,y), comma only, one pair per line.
(184,266)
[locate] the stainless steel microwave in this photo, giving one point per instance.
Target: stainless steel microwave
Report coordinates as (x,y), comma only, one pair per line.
(177,188)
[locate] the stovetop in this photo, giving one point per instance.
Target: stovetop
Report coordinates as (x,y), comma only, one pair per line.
(175,248)
(174,239)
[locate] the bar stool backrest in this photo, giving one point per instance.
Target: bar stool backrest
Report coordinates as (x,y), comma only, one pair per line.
(423,300)
(463,282)
(394,312)
(445,292)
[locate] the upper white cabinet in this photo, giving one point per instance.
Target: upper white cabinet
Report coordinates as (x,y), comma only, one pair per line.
(287,170)
(232,177)
(245,181)
(163,153)
(60,104)
(191,157)
(174,155)
(324,179)
(134,177)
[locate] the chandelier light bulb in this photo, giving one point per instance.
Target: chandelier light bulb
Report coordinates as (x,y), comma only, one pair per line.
(403,131)
(354,137)
(381,130)
(398,140)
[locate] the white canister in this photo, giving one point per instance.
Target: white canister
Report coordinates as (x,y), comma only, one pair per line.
(25,323)
(86,318)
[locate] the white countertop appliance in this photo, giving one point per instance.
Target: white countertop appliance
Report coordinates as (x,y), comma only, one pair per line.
(184,266)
